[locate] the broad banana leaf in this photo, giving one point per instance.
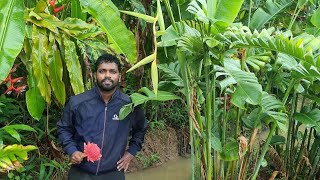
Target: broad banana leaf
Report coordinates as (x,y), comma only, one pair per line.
(40,61)
(227,11)
(73,66)
(262,15)
(11,34)
(121,39)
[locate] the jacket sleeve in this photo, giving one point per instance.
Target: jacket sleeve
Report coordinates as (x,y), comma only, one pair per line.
(66,130)
(139,129)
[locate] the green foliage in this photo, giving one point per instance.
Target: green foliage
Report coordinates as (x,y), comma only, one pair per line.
(138,99)
(263,15)
(148,161)
(11,34)
(121,39)
(9,156)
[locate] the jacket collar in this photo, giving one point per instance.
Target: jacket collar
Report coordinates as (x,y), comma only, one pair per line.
(115,94)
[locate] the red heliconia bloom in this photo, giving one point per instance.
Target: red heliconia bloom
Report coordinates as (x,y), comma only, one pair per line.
(92,152)
(18,89)
(52,3)
(16,79)
(9,90)
(56,10)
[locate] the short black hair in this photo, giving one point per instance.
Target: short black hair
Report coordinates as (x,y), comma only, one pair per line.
(107,58)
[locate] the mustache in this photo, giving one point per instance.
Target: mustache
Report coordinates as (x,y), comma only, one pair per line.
(105,79)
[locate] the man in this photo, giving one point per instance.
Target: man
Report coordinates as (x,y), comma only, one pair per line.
(93,116)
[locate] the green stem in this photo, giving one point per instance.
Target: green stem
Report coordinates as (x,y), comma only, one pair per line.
(284,100)
(264,150)
(314,165)
(294,16)
(208,111)
(249,16)
(223,133)
(184,74)
(302,147)
(288,143)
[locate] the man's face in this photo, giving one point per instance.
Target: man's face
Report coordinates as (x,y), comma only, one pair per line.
(108,76)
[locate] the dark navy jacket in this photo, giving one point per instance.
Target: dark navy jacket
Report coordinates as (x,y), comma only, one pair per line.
(83,121)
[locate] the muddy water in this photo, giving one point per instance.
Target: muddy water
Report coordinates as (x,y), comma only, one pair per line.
(179,169)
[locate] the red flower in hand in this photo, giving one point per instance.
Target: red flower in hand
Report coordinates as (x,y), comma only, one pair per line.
(92,152)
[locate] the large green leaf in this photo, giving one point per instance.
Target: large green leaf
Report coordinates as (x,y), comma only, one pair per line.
(121,39)
(56,70)
(262,15)
(40,61)
(76,10)
(248,88)
(80,29)
(138,99)
(227,11)
(273,108)
(73,66)
(12,130)
(315,19)
(171,73)
(34,100)
(45,20)
(11,34)
(310,119)
(230,151)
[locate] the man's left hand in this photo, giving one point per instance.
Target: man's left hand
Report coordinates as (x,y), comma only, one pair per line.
(124,162)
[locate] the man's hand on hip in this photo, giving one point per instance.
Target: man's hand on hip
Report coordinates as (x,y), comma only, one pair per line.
(124,162)
(76,157)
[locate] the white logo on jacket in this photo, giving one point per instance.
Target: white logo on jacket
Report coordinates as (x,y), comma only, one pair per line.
(115,117)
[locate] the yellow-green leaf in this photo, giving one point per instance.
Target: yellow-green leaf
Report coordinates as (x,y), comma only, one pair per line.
(73,66)
(56,70)
(40,61)
(160,17)
(147,18)
(154,76)
(144,61)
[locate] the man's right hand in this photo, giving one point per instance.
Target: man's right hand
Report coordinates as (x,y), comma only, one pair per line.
(76,157)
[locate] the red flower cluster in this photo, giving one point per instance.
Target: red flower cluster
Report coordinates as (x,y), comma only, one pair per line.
(18,90)
(55,10)
(92,152)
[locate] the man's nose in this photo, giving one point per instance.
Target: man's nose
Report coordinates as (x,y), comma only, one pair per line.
(107,74)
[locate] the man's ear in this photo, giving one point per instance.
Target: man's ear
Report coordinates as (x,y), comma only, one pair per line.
(120,78)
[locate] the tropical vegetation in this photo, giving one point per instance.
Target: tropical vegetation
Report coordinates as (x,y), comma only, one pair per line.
(240,68)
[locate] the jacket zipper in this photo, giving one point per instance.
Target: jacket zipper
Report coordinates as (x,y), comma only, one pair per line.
(103,132)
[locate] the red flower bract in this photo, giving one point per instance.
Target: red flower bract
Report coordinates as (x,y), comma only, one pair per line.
(92,152)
